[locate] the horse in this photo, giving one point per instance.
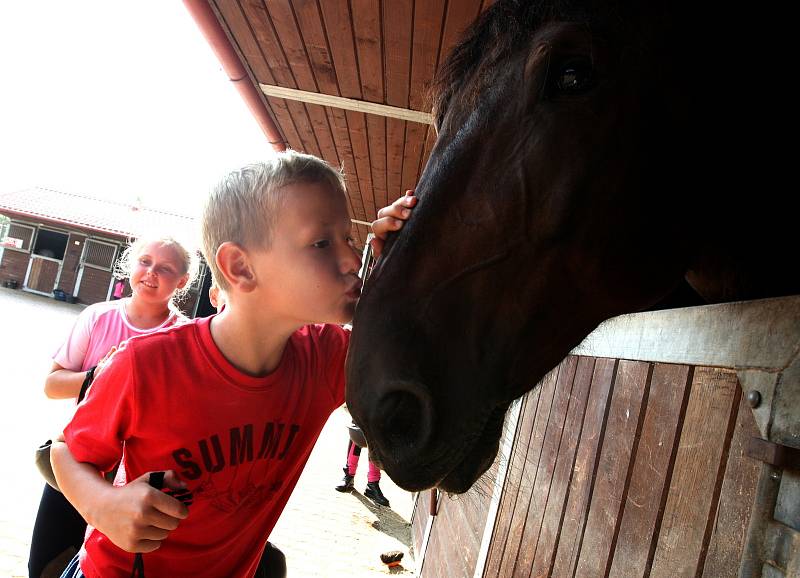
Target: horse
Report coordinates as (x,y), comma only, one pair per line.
(592,159)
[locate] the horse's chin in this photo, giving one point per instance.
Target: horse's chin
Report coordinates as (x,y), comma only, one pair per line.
(478,459)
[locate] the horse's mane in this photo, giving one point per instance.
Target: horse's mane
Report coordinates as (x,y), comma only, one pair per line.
(500,30)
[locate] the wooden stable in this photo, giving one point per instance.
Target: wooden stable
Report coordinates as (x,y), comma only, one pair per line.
(631,458)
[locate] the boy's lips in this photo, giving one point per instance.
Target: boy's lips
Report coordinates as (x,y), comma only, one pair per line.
(355,292)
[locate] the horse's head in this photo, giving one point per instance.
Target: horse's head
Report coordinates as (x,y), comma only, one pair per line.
(530,229)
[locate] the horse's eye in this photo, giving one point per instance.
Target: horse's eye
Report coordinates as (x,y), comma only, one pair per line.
(574,77)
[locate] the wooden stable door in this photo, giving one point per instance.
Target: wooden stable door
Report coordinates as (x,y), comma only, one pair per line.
(43,274)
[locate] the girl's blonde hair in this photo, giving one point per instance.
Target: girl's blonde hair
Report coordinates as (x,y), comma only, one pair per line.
(244,206)
(189,262)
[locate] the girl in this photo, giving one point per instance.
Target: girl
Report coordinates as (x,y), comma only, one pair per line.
(160,270)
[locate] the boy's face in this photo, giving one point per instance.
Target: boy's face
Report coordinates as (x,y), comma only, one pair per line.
(310,272)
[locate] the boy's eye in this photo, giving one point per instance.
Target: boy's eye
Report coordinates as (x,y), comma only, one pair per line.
(322,244)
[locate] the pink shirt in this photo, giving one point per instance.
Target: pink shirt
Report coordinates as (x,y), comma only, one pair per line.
(99,328)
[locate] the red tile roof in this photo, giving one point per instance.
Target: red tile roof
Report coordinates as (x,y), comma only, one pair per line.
(112,217)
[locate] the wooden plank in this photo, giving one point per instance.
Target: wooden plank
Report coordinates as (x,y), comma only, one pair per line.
(651,470)
(247,45)
(586,462)
(412,153)
(460,15)
(451,550)
(369,47)
(376,135)
(512,483)
(339,31)
(291,42)
(270,47)
(691,498)
(735,500)
(341,138)
(357,124)
(309,22)
(545,547)
(427,35)
(546,467)
(395,145)
(612,471)
(397,25)
(518,507)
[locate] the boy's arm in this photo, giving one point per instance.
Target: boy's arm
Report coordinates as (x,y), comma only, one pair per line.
(136,517)
(391,218)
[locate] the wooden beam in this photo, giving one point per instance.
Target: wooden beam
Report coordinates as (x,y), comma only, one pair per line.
(347,103)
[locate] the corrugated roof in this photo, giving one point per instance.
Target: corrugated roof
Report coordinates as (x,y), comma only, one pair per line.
(101,215)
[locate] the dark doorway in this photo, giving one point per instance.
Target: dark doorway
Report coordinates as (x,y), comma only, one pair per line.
(204,307)
(51,244)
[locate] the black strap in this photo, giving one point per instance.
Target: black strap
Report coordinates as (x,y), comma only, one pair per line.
(87,381)
(157,481)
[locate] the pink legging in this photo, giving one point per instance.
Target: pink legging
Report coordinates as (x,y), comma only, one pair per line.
(353,453)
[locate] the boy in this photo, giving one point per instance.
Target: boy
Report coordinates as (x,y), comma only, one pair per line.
(229,406)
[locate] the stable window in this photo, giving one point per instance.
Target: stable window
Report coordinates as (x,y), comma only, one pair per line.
(51,244)
(99,254)
(23,233)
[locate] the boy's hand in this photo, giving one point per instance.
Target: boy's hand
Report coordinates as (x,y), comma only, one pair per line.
(137,517)
(391,218)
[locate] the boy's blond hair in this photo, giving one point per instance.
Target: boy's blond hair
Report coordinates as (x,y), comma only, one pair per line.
(243,207)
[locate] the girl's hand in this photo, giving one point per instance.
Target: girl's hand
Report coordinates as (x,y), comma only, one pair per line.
(391,218)
(102,362)
(137,517)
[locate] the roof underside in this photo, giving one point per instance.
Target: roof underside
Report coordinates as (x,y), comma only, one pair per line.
(374,51)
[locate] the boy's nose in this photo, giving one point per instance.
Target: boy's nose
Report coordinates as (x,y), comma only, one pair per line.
(351,260)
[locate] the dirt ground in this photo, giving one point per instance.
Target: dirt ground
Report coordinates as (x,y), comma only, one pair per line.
(322,532)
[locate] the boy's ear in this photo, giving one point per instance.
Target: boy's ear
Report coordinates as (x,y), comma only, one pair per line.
(234,264)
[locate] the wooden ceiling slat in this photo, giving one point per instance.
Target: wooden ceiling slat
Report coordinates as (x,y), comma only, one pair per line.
(367,31)
(395,145)
(247,44)
(430,139)
(337,24)
(459,16)
(361,153)
(339,30)
(341,137)
(428,21)
(376,131)
(288,35)
(415,139)
(397,25)
(312,30)
(284,118)
(397,22)
(263,29)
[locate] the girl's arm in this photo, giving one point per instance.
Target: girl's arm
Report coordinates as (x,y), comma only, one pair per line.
(136,517)
(63,383)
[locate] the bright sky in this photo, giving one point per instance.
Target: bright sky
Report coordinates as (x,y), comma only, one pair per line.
(117,100)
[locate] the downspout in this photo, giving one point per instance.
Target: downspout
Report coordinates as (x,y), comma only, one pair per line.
(206,20)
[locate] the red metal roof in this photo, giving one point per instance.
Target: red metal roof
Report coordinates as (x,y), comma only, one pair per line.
(104,216)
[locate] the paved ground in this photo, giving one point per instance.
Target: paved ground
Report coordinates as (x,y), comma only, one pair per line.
(322,532)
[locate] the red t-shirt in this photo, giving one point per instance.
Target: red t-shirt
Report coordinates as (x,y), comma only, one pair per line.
(172,401)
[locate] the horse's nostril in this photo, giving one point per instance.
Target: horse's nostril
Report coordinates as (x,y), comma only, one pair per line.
(404,418)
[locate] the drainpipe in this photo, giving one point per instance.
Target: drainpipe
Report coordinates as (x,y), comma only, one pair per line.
(206,20)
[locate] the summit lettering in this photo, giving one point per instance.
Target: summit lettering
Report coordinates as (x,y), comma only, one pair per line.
(236,447)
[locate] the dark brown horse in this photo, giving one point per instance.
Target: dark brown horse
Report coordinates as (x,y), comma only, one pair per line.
(591,159)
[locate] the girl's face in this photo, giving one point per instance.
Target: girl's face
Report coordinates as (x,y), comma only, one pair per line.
(157,272)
